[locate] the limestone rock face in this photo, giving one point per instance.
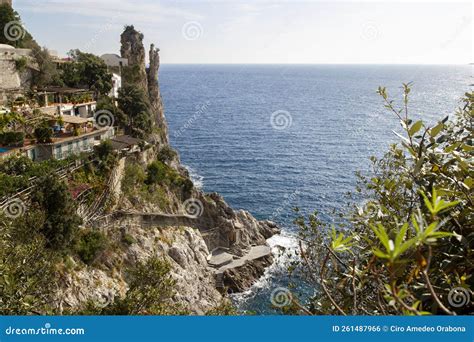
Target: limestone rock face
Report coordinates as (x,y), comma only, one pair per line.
(242,278)
(236,230)
(132,49)
(89,284)
(147,78)
(154,94)
(183,248)
(9,76)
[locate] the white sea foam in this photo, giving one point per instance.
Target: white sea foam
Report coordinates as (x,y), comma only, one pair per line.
(197,179)
(283,246)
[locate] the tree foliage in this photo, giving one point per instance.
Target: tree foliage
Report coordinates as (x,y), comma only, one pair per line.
(87,70)
(89,244)
(61,221)
(47,73)
(134,103)
(410,243)
(10,26)
(27,267)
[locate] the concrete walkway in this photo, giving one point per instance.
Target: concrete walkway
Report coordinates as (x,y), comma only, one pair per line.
(254,253)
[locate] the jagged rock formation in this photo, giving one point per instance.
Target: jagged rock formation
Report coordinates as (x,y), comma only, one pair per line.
(132,49)
(182,247)
(154,93)
(146,78)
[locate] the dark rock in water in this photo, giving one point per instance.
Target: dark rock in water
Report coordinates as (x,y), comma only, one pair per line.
(242,278)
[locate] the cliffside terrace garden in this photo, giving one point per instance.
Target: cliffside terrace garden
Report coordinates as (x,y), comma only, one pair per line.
(62,95)
(41,134)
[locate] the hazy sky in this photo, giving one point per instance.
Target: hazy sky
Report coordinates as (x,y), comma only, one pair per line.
(261,31)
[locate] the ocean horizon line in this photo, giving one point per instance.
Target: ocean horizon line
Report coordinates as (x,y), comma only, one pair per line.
(329,64)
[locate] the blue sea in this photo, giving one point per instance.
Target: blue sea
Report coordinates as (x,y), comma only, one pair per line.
(272,137)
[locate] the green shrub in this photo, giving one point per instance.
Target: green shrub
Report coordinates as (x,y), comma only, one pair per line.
(20,64)
(166,154)
(28,278)
(43,135)
(150,292)
(157,172)
(106,156)
(12,139)
(89,245)
(128,239)
(52,197)
(409,245)
(133,179)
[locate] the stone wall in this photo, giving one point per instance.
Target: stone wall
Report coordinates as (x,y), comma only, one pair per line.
(9,76)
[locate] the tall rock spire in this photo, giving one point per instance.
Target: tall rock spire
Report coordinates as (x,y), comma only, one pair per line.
(154,93)
(147,79)
(8,2)
(133,50)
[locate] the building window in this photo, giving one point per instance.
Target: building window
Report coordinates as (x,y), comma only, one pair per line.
(69,148)
(59,152)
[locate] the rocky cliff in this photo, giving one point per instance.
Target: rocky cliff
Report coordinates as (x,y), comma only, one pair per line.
(146,78)
(155,95)
(211,248)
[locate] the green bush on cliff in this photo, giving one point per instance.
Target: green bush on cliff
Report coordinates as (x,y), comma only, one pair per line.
(134,104)
(134,177)
(52,198)
(157,172)
(166,154)
(151,289)
(106,157)
(160,173)
(27,269)
(89,244)
(409,244)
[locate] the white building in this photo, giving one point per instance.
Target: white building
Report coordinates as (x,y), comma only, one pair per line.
(117,84)
(114,61)
(67,101)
